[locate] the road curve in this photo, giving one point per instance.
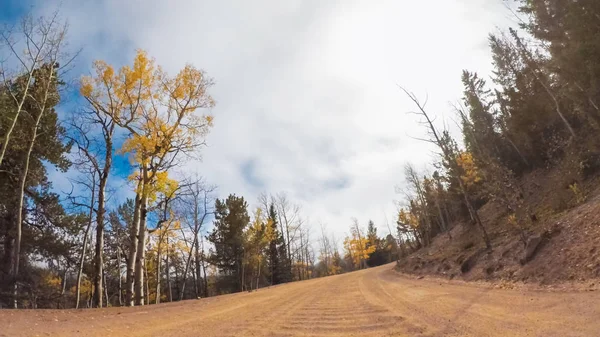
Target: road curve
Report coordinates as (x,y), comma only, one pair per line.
(373,302)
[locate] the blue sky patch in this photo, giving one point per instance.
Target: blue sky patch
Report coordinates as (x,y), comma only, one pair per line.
(248,172)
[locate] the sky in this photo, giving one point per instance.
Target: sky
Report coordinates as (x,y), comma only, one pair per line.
(307,97)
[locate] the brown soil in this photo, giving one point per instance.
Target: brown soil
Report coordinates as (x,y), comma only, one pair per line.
(569,255)
(373,302)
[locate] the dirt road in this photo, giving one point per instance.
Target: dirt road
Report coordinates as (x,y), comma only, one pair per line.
(374,302)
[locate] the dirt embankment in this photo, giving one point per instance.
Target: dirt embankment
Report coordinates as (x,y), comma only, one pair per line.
(563,243)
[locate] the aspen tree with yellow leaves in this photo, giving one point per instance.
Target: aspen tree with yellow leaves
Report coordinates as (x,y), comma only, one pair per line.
(164,118)
(407,227)
(470,172)
(258,235)
(357,246)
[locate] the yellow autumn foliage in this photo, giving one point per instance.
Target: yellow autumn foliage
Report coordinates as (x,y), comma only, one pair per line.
(160,112)
(52,281)
(470,173)
(128,89)
(258,235)
(358,248)
(408,218)
(155,184)
(334,270)
(86,287)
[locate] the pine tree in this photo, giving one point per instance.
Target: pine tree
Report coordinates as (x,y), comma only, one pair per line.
(378,256)
(285,270)
(277,251)
(337,264)
(525,116)
(227,236)
(479,126)
(37,140)
(570,31)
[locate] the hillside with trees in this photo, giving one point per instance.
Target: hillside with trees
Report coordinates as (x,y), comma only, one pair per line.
(516,197)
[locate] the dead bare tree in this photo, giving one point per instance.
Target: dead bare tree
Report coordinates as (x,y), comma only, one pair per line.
(168,273)
(395,241)
(309,255)
(199,196)
(450,156)
(437,190)
(414,180)
(290,221)
(86,235)
(92,133)
(325,249)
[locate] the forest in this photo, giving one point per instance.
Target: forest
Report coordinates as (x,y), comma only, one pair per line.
(539,111)
(175,239)
(529,146)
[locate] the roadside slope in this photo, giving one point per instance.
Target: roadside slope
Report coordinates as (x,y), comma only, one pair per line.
(568,253)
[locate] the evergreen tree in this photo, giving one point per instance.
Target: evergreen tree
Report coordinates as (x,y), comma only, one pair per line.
(372,234)
(45,222)
(378,257)
(277,258)
(227,236)
(285,274)
(525,115)
(273,260)
(479,126)
(338,265)
(570,31)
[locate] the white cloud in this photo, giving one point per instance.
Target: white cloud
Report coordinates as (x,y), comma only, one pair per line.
(306,90)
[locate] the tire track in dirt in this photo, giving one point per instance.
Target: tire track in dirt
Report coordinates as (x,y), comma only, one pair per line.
(418,320)
(269,317)
(339,310)
(373,302)
(463,310)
